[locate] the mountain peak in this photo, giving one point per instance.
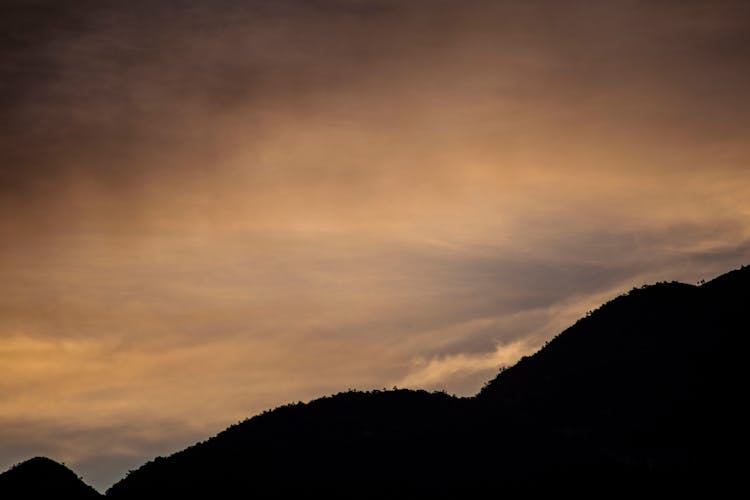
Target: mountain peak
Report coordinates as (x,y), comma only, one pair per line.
(43,478)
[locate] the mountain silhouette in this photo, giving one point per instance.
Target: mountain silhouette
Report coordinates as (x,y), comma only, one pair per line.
(641,396)
(44,479)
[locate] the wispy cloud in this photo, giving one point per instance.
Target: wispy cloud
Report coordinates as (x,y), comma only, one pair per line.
(455,368)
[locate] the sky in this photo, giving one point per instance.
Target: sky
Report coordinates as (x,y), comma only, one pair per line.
(209,209)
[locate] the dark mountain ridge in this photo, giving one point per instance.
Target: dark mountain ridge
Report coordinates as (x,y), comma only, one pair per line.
(641,395)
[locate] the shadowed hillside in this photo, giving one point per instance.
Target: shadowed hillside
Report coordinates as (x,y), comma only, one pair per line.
(44,479)
(637,394)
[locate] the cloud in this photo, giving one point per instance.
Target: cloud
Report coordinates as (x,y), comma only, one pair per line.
(206,211)
(453,369)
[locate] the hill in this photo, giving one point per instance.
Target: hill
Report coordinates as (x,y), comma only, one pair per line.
(44,479)
(640,397)
(639,394)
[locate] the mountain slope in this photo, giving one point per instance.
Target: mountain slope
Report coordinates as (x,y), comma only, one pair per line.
(652,376)
(347,441)
(43,479)
(639,394)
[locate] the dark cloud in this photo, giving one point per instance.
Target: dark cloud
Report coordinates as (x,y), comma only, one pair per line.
(105,89)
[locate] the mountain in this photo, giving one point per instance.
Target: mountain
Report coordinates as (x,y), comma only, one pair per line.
(649,382)
(44,479)
(640,395)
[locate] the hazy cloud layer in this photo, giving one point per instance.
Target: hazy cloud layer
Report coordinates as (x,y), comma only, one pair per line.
(208,209)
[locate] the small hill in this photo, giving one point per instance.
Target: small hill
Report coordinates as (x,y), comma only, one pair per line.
(358,443)
(44,479)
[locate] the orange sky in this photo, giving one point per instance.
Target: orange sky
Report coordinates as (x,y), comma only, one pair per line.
(207,210)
